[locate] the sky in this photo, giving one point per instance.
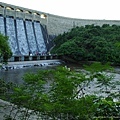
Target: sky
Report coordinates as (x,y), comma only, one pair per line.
(82,9)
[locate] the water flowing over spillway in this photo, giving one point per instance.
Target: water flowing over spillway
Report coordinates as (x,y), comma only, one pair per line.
(22,41)
(2,30)
(25,36)
(10,28)
(31,37)
(39,37)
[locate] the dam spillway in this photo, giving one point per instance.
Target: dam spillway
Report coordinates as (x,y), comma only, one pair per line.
(24,35)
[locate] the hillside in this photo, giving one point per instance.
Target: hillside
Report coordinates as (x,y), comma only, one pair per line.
(90,43)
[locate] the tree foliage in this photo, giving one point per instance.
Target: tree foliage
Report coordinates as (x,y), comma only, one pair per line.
(5,51)
(93,43)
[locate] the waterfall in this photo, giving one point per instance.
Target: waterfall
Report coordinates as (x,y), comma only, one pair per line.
(10,29)
(2,27)
(39,38)
(31,37)
(22,40)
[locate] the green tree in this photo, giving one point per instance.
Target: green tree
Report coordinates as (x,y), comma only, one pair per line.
(72,49)
(5,51)
(90,43)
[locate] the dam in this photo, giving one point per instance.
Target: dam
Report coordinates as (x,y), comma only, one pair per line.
(26,36)
(32,32)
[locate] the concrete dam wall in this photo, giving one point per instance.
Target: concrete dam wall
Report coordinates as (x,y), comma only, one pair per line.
(33,31)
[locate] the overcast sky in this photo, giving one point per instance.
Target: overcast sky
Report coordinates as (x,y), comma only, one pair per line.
(83,9)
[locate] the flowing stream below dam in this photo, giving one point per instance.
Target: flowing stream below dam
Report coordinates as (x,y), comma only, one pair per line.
(16,75)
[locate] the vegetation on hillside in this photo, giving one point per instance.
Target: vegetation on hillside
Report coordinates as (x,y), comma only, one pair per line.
(90,43)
